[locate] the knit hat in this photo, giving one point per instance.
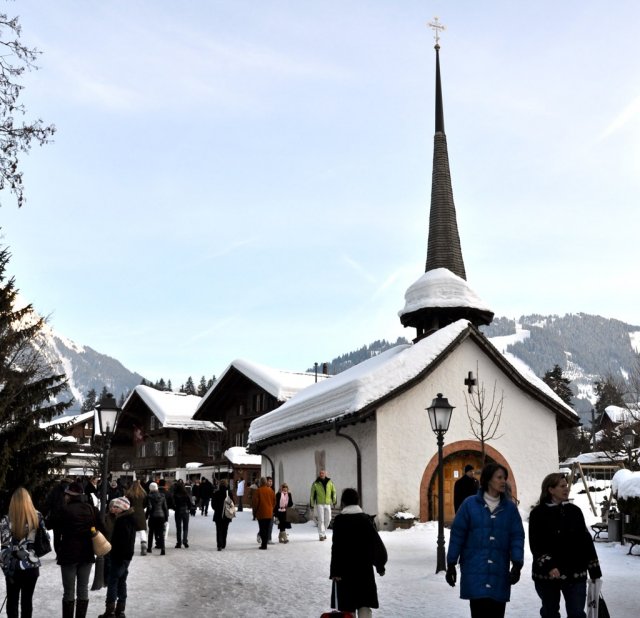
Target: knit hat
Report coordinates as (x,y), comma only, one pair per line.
(121,503)
(74,490)
(468,468)
(153,486)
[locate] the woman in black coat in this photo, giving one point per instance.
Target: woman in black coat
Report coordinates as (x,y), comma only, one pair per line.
(284,500)
(222,522)
(75,554)
(562,548)
(357,548)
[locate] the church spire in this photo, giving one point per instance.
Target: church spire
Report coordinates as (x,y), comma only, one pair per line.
(442,296)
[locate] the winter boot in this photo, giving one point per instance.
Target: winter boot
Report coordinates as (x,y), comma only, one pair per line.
(143,548)
(281,537)
(109,611)
(68,607)
(81,608)
(120,609)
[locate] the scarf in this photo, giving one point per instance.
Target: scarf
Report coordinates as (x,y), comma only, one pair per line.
(284,501)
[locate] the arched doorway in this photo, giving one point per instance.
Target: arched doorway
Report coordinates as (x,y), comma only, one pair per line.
(455,456)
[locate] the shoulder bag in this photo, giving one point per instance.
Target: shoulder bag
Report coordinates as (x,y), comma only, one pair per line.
(42,542)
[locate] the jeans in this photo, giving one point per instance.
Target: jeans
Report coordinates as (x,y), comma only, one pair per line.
(222,527)
(182,526)
(240,499)
(20,592)
(487,608)
(323,514)
(117,584)
(574,593)
(79,573)
(156,532)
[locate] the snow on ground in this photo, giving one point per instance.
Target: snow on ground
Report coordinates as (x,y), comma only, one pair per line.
(292,580)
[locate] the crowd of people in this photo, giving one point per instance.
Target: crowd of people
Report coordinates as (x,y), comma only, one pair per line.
(486,541)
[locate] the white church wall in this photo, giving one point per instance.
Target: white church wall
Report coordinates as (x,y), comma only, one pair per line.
(297,461)
(406,444)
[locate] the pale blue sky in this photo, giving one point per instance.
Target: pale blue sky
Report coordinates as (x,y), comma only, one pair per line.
(252,179)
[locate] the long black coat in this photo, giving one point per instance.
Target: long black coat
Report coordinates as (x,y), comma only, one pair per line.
(121,532)
(75,521)
(217,502)
(357,548)
(464,487)
(558,538)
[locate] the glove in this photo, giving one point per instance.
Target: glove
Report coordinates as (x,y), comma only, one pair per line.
(380,570)
(514,574)
(451,575)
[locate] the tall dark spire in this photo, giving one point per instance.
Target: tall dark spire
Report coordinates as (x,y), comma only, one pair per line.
(442,295)
(443,247)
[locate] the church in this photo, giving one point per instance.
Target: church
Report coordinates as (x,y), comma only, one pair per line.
(368,426)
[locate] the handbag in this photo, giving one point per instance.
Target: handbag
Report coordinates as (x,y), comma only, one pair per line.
(596,606)
(229,508)
(42,542)
(101,546)
(291,515)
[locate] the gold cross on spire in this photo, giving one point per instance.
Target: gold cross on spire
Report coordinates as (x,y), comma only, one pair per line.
(437,27)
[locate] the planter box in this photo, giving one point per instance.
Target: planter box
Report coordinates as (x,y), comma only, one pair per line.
(402,523)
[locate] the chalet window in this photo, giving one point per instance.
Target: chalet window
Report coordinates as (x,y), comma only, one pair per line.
(157,449)
(239,439)
(142,451)
(152,422)
(213,448)
(259,402)
(171,448)
(241,410)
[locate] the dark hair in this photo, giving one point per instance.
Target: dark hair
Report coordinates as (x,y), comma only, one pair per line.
(550,481)
(179,489)
(349,497)
(487,474)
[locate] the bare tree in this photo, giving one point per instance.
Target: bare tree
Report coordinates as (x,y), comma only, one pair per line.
(484,412)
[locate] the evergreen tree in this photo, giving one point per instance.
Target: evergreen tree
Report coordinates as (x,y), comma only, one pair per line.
(202,387)
(90,400)
(210,382)
(169,387)
(160,385)
(28,390)
(15,136)
(610,392)
(104,393)
(189,387)
(559,384)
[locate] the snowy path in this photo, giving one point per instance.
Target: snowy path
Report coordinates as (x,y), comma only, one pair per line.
(292,580)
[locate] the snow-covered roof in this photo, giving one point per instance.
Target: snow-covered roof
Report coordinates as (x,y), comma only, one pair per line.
(369,381)
(74,420)
(279,383)
(238,455)
(626,484)
(619,415)
(173,410)
(598,457)
(440,288)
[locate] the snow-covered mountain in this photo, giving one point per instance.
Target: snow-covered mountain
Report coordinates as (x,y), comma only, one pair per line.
(85,368)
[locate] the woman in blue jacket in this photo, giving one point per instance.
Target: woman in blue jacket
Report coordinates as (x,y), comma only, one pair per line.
(487,538)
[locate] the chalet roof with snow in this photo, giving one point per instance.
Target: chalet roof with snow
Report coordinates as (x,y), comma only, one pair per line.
(238,456)
(279,383)
(173,410)
(356,393)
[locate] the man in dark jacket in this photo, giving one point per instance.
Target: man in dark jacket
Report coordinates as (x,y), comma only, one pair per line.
(121,532)
(467,485)
(206,493)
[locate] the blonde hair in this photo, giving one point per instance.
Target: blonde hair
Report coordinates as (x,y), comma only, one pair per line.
(22,514)
(136,490)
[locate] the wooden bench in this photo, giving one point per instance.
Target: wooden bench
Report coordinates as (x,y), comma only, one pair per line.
(633,539)
(598,528)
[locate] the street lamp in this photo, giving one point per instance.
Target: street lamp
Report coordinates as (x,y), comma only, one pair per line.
(105,419)
(440,412)
(629,439)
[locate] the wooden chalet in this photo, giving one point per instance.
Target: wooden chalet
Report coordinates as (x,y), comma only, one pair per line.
(156,433)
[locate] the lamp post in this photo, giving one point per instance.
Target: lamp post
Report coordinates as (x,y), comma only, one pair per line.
(440,412)
(105,419)
(629,439)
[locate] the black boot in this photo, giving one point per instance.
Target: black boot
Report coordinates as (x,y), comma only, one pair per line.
(120,609)
(81,608)
(109,611)
(68,607)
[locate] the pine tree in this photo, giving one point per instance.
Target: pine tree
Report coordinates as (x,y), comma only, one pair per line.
(90,400)
(169,387)
(610,392)
(189,387)
(104,393)
(202,387)
(558,384)
(28,390)
(160,385)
